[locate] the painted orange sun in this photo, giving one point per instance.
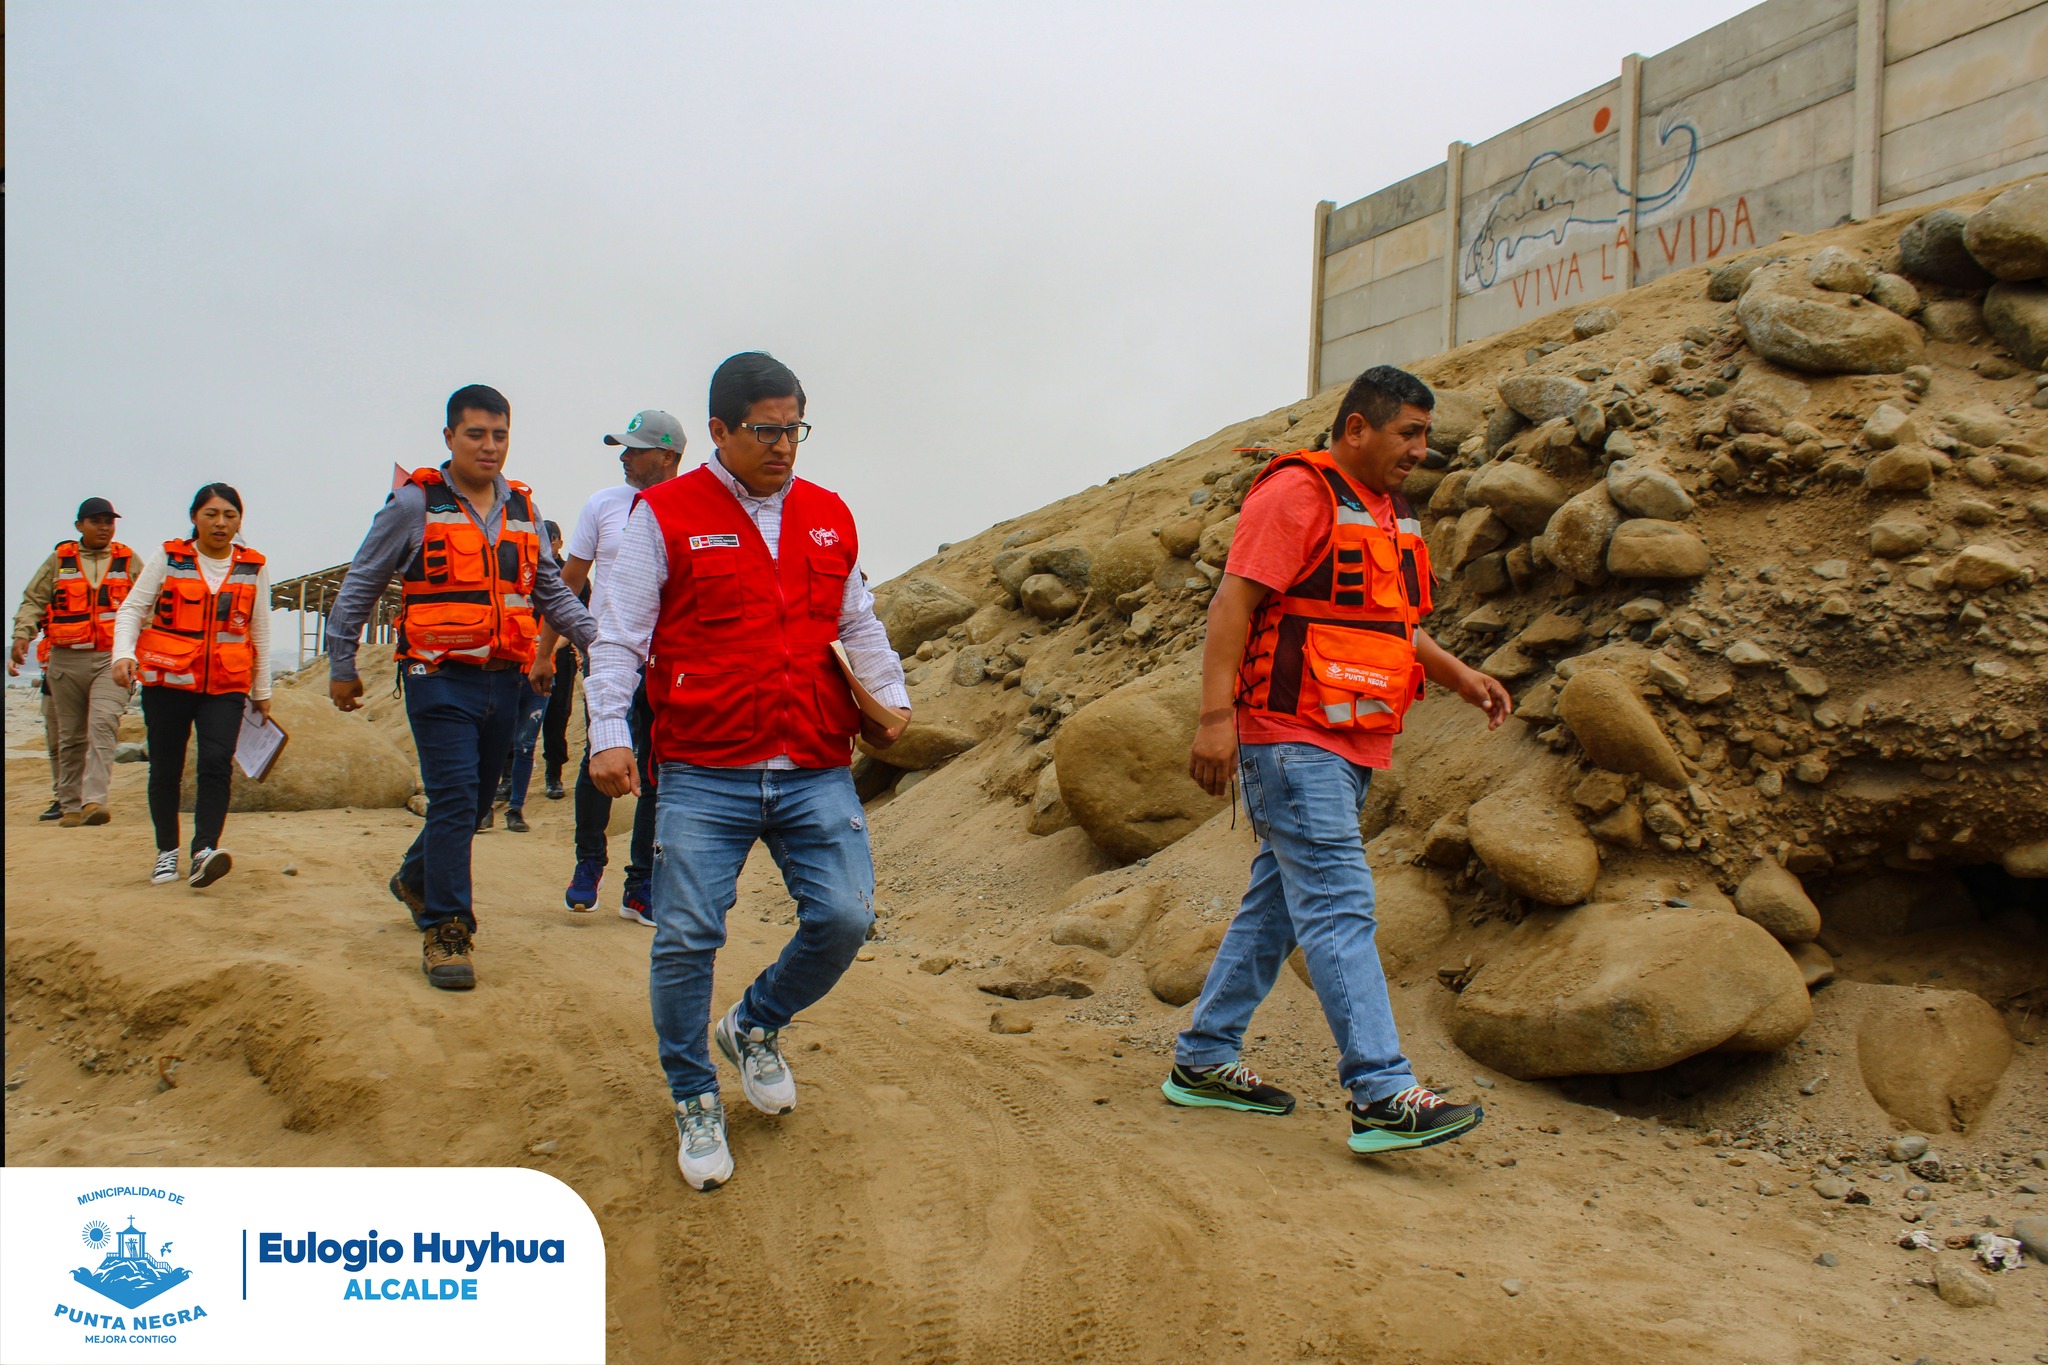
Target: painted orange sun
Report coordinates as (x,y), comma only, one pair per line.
(1602,119)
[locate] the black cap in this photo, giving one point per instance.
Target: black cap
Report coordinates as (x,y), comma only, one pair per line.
(96,507)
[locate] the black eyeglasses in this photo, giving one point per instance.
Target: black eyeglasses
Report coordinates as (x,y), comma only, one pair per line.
(768,434)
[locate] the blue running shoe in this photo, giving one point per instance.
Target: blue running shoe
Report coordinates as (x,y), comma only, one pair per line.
(582,892)
(636,906)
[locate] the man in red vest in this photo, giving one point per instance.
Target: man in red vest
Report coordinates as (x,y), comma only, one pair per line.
(744,577)
(1313,657)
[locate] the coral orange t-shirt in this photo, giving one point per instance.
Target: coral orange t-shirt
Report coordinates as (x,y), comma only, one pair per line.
(1282,530)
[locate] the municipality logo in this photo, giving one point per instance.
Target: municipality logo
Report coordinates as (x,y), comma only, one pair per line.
(128,1274)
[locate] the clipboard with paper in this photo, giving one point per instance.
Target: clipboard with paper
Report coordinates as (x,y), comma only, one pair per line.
(259,743)
(890,720)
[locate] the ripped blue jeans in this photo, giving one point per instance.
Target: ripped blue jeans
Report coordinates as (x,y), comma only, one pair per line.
(706,821)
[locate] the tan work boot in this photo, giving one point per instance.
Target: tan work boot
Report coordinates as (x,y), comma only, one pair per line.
(444,956)
(94,814)
(71,819)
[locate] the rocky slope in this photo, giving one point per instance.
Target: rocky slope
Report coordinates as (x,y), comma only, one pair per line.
(1758,549)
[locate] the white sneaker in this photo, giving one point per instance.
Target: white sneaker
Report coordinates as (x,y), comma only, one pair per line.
(166,867)
(764,1075)
(209,865)
(703,1157)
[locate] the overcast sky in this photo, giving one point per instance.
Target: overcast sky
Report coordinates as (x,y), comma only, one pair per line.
(1010,249)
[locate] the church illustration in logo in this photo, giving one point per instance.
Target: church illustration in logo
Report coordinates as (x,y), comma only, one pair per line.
(128,1275)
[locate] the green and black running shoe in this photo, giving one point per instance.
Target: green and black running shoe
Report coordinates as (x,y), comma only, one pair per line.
(1414,1118)
(1230,1086)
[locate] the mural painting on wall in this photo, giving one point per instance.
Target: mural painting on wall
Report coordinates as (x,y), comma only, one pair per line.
(1560,201)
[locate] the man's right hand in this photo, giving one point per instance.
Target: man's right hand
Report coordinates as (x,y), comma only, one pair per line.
(346,693)
(541,676)
(16,657)
(1214,756)
(615,772)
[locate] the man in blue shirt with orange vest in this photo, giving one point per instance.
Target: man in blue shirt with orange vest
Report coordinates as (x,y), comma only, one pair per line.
(743,577)
(1313,657)
(478,577)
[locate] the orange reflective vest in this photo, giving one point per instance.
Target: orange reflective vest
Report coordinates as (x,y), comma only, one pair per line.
(468,599)
(1337,649)
(198,640)
(80,615)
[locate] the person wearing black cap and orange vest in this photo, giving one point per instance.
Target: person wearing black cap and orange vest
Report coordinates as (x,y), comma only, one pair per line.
(478,579)
(73,600)
(1314,655)
(196,634)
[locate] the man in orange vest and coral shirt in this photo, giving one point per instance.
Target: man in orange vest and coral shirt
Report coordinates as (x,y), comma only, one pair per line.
(73,600)
(478,577)
(1314,655)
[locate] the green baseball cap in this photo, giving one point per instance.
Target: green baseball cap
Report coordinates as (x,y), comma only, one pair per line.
(650,428)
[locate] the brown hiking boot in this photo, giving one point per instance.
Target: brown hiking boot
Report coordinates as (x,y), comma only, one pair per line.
(445,956)
(407,897)
(71,819)
(94,814)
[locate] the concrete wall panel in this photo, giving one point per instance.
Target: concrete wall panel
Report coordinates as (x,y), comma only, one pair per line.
(1992,60)
(1999,132)
(1912,26)
(1403,202)
(1543,225)
(1763,94)
(1383,301)
(1727,50)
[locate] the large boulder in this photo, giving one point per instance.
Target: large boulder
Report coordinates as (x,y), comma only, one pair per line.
(1214,549)
(1477,531)
(1534,846)
(2017,315)
(1932,1058)
(1177,976)
(1049,813)
(1124,564)
(1540,397)
(1643,488)
(2009,235)
(1775,899)
(1111,925)
(332,760)
(1048,597)
(1123,766)
(1040,971)
(1792,322)
(924,744)
(1458,417)
(1522,497)
(1617,988)
(1646,548)
(1616,729)
(1932,248)
(1576,538)
(914,610)
(1068,563)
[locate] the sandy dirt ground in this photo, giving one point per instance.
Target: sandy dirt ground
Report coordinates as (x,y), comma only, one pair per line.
(941,1192)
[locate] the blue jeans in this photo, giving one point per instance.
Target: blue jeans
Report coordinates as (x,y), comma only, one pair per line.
(706,821)
(533,709)
(1309,885)
(462,721)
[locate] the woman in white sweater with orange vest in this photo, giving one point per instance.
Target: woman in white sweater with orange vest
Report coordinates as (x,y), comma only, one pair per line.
(196,633)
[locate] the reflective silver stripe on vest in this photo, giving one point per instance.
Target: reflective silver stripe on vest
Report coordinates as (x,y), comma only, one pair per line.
(1408,526)
(1352,710)
(175,679)
(1354,516)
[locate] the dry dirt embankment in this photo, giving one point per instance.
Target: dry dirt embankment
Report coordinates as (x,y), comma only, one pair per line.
(1743,907)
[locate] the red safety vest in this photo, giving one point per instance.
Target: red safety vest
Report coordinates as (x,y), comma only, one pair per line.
(81,615)
(469,600)
(198,640)
(1337,649)
(741,667)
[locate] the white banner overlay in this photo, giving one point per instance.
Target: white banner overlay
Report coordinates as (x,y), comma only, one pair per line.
(322,1265)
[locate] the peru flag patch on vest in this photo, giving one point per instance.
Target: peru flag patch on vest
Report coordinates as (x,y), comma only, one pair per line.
(714,542)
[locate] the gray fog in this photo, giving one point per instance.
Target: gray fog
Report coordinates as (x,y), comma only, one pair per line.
(1011,249)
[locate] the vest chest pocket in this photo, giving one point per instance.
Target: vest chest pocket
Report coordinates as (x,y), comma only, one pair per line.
(717,576)
(181,605)
(456,552)
(828,586)
(1362,679)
